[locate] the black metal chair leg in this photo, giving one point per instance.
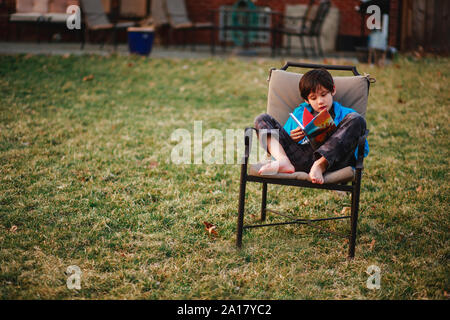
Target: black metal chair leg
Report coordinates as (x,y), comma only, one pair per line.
(115,38)
(240,224)
(82,37)
(264,202)
(354,214)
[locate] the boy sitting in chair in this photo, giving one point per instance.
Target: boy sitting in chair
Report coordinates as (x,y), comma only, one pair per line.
(317,89)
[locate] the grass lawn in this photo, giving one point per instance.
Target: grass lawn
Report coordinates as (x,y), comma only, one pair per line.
(86,180)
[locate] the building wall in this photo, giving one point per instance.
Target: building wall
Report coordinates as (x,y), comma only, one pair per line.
(349,31)
(350,20)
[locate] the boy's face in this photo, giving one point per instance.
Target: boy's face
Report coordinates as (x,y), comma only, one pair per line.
(321,99)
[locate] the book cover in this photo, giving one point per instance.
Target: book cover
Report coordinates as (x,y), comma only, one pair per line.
(320,128)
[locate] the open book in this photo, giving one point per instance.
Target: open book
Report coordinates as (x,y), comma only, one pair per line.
(318,129)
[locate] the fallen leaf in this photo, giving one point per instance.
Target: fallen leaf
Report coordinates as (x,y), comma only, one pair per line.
(153,164)
(346,210)
(88,78)
(130,64)
(13,229)
(372,244)
(419,189)
(210,228)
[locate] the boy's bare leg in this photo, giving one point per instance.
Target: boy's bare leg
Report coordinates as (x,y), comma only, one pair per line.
(317,170)
(282,163)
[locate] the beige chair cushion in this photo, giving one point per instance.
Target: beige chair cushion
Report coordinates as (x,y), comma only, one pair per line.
(158,11)
(24,6)
(25,17)
(178,16)
(133,8)
(284,95)
(339,176)
(58,6)
(41,6)
(57,17)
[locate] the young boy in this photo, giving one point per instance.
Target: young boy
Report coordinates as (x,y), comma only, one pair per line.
(317,89)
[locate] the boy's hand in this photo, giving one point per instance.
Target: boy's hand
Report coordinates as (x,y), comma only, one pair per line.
(297,134)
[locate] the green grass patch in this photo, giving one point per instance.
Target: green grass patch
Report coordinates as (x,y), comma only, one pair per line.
(86,179)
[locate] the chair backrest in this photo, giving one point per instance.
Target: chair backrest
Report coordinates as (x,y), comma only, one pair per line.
(284,94)
(177,13)
(307,17)
(94,13)
(27,6)
(133,8)
(158,11)
(321,14)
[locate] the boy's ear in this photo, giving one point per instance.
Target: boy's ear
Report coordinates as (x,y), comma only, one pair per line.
(334,91)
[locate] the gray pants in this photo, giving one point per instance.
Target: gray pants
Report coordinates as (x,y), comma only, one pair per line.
(338,149)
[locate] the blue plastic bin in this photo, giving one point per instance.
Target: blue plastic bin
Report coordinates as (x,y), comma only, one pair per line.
(140,40)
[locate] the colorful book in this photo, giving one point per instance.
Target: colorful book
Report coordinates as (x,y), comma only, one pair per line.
(319,129)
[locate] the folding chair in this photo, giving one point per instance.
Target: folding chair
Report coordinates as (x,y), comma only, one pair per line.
(284,97)
(179,20)
(96,19)
(310,25)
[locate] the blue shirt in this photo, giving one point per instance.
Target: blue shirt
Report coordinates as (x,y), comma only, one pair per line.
(339,113)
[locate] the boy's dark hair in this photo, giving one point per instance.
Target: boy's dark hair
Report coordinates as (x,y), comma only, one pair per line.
(311,81)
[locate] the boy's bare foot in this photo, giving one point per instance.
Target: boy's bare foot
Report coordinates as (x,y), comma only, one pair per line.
(317,170)
(278,166)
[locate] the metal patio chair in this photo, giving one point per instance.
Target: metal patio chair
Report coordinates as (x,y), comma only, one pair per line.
(309,26)
(179,20)
(97,20)
(284,97)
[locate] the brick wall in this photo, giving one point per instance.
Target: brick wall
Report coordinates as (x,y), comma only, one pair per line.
(349,27)
(350,19)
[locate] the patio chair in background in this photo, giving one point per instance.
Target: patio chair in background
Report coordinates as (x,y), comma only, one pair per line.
(310,25)
(30,12)
(179,20)
(160,20)
(96,20)
(284,97)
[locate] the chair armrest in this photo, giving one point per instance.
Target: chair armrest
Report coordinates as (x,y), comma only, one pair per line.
(361,145)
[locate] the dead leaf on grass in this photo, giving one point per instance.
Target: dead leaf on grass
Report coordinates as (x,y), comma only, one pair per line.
(419,189)
(372,244)
(13,229)
(346,210)
(152,164)
(210,228)
(88,78)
